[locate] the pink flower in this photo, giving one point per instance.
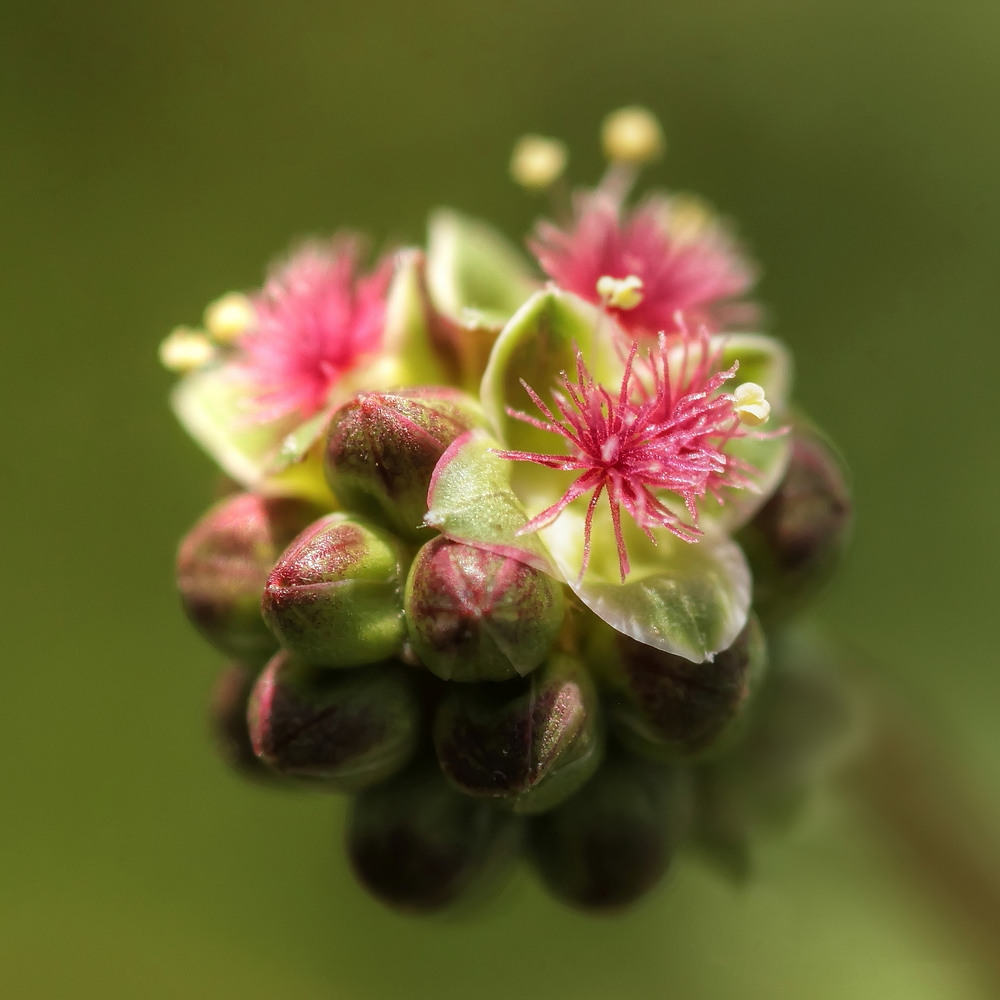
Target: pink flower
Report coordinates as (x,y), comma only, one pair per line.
(686,265)
(663,431)
(316,319)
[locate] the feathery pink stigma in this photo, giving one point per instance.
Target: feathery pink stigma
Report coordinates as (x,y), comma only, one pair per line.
(701,273)
(316,320)
(664,430)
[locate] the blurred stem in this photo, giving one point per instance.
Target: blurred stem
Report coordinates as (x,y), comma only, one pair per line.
(940,835)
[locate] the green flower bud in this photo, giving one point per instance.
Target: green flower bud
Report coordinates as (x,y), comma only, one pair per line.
(665,707)
(222,566)
(475,615)
(228,722)
(794,540)
(612,842)
(333,598)
(382,448)
(530,742)
(418,845)
(351,728)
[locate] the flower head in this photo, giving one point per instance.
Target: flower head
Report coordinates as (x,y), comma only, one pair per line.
(663,432)
(683,264)
(316,319)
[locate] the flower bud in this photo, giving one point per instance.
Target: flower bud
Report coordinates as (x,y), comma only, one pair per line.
(333,598)
(668,707)
(382,448)
(351,728)
(794,540)
(529,743)
(418,845)
(475,615)
(228,722)
(222,566)
(612,842)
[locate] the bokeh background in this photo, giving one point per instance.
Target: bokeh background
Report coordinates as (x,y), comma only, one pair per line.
(155,154)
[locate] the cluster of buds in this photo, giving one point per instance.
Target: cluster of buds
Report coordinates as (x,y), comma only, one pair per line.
(511,546)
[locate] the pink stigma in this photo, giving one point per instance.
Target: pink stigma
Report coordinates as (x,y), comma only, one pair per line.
(703,274)
(663,431)
(316,320)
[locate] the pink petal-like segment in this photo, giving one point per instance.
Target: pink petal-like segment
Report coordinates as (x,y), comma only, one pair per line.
(702,274)
(316,319)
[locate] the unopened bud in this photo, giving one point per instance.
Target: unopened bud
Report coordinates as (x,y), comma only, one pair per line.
(613,841)
(418,845)
(351,728)
(669,708)
(382,448)
(794,540)
(333,598)
(228,721)
(632,135)
(222,566)
(537,161)
(530,743)
(475,615)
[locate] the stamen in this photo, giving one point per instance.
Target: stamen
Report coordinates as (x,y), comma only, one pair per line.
(185,350)
(620,293)
(228,318)
(750,404)
(537,161)
(632,135)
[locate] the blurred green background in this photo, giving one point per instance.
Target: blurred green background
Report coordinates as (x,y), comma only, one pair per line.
(154,155)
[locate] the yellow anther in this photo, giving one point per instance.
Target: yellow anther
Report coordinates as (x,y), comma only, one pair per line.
(185,349)
(537,161)
(750,404)
(620,293)
(688,217)
(632,135)
(228,318)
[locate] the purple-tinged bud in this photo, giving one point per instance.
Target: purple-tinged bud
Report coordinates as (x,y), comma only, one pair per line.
(666,707)
(228,722)
(382,448)
(350,728)
(222,566)
(334,596)
(475,615)
(418,845)
(613,841)
(529,743)
(794,540)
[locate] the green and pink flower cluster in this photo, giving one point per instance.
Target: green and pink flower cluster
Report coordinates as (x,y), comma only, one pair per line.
(506,540)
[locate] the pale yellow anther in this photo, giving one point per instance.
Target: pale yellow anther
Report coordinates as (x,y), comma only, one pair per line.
(185,349)
(537,161)
(228,318)
(750,404)
(620,293)
(632,135)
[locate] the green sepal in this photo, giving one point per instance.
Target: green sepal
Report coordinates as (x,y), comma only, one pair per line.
(475,276)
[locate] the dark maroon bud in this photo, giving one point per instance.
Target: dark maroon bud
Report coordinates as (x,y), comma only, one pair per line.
(474,615)
(665,707)
(794,540)
(612,842)
(334,598)
(802,727)
(222,566)
(382,448)
(351,728)
(418,845)
(228,722)
(529,743)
